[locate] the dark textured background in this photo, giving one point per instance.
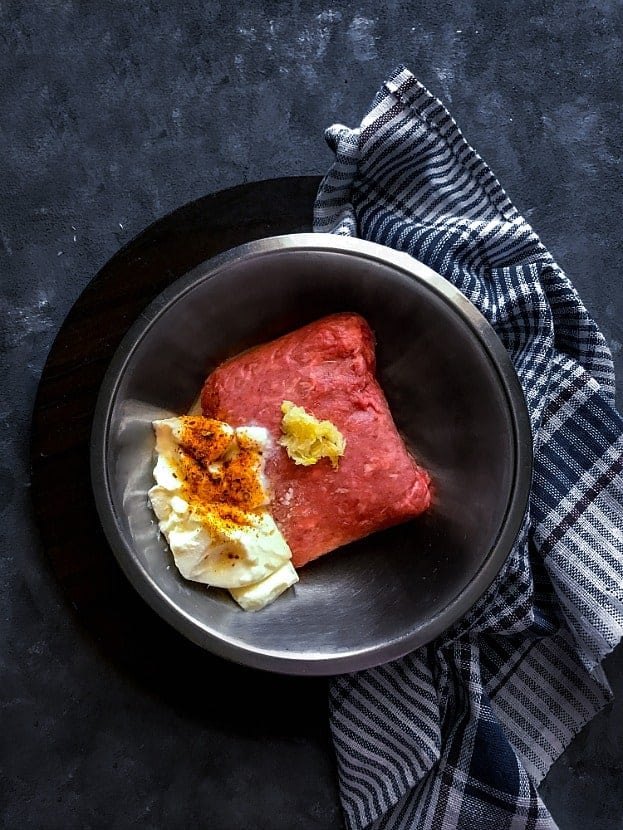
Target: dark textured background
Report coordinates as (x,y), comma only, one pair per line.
(113,114)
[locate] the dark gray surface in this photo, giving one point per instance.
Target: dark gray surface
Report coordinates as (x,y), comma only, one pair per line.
(112,115)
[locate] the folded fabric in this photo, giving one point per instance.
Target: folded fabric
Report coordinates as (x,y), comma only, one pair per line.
(460,733)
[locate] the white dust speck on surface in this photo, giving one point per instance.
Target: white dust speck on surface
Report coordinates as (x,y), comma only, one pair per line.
(361,37)
(248,33)
(326,21)
(446,79)
(312,40)
(329,16)
(20,322)
(307,46)
(299,42)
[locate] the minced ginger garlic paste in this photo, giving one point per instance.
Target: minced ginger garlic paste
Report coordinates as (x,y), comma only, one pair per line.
(307,440)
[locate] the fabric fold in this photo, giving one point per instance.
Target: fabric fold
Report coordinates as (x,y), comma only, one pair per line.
(459,734)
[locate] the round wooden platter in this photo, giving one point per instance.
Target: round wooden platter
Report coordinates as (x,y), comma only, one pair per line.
(126,629)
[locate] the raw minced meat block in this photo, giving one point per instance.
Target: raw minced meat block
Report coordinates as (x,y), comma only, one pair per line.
(328,368)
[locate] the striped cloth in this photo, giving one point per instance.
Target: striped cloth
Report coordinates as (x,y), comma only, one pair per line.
(460,733)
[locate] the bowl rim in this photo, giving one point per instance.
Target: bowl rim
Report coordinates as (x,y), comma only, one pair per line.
(306,663)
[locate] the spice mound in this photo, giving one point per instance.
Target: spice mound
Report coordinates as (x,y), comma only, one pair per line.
(212,502)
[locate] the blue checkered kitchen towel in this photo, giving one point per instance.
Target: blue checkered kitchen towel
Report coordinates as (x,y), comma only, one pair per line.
(460,733)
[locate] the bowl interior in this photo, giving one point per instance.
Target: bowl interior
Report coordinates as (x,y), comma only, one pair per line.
(370,601)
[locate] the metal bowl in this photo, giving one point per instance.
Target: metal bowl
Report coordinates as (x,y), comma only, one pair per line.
(454,396)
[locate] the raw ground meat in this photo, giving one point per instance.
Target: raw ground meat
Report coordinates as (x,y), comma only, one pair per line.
(327,367)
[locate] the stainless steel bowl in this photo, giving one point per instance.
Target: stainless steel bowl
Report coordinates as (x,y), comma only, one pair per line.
(454,395)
